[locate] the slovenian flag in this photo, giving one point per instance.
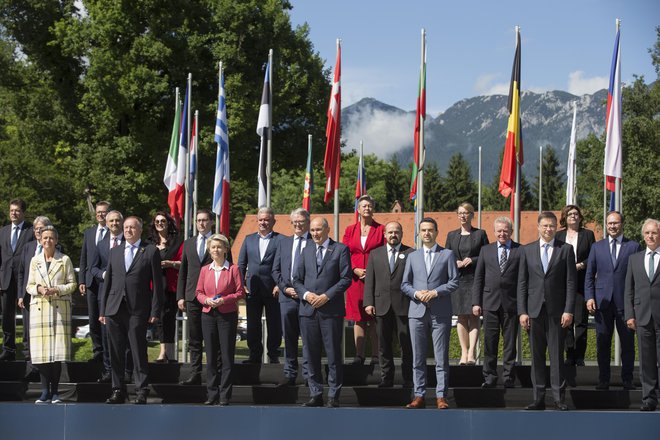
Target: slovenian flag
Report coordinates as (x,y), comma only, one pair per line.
(263,126)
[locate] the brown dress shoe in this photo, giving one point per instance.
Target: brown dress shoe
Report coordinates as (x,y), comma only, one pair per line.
(442,403)
(417,403)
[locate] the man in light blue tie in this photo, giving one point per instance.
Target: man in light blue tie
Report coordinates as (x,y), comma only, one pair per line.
(546,298)
(430,276)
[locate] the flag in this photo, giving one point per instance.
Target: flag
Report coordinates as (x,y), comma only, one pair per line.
(332,159)
(513,148)
(420,117)
(360,185)
(174,198)
(309,182)
(221,181)
(570,166)
(612,169)
(182,157)
(193,157)
(263,126)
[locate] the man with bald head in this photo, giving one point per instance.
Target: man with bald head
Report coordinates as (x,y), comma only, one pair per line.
(321,279)
(384,300)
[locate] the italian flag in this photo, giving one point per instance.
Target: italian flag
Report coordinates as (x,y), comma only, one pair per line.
(174,173)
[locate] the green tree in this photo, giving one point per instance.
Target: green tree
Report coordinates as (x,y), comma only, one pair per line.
(458,184)
(492,200)
(554,194)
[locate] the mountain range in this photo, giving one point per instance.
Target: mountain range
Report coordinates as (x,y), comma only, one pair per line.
(546,119)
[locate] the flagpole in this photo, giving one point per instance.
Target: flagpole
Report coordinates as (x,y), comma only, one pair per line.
(336,206)
(186,210)
(269,145)
(516,194)
(540,179)
(617,182)
(196,164)
(479,193)
(422,148)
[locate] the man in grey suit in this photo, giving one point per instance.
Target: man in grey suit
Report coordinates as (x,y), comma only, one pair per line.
(429,278)
(384,300)
(546,300)
(321,279)
(132,298)
(494,296)
(287,257)
(642,310)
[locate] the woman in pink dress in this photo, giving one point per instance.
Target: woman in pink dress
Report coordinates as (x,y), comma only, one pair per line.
(361,237)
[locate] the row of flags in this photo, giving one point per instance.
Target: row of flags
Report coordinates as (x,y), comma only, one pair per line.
(181,166)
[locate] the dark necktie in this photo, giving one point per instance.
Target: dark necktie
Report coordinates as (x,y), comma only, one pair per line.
(651,266)
(613,253)
(202,248)
(503,258)
(392,259)
(319,258)
(101,235)
(14,238)
(297,253)
(114,242)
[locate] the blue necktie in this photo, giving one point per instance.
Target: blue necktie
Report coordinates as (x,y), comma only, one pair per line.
(392,260)
(651,266)
(614,253)
(128,260)
(429,261)
(319,258)
(544,257)
(202,248)
(296,254)
(14,238)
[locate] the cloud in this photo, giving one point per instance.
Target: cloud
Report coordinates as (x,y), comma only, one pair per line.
(485,85)
(579,85)
(383,133)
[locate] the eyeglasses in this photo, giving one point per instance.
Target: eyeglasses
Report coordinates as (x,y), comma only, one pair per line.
(160,222)
(572,214)
(298,223)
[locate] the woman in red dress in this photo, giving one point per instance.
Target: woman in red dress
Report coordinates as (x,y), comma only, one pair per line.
(361,237)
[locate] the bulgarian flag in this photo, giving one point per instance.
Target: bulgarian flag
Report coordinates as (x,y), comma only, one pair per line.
(332,159)
(513,148)
(420,117)
(172,171)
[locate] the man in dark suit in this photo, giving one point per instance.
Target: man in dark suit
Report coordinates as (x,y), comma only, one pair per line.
(642,310)
(132,298)
(384,300)
(546,300)
(321,279)
(13,238)
(87,283)
(430,276)
(193,258)
(605,279)
(494,296)
(113,237)
(287,256)
(255,262)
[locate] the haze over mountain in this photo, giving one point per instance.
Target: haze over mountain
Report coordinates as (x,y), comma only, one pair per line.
(479,121)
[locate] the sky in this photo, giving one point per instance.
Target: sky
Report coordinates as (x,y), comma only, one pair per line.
(566,45)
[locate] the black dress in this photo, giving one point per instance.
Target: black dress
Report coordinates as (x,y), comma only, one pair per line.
(465,246)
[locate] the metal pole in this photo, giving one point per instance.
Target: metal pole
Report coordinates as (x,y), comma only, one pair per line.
(186,221)
(422,148)
(540,179)
(479,193)
(194,199)
(269,144)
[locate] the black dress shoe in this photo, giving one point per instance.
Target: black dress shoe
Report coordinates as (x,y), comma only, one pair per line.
(195,379)
(223,402)
(561,406)
(488,385)
(579,362)
(359,360)
(509,383)
(7,356)
(385,384)
(603,386)
(274,360)
(116,397)
(536,406)
(252,361)
(210,402)
(629,385)
(332,403)
(316,401)
(106,377)
(140,399)
(287,382)
(647,407)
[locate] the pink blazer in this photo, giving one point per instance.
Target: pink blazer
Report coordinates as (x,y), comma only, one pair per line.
(230,287)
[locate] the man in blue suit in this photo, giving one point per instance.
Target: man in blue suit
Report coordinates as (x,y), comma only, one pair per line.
(255,262)
(321,279)
(431,275)
(287,256)
(603,289)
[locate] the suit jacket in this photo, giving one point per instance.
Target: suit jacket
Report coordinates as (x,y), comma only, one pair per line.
(642,296)
(493,288)
(141,284)
(382,288)
(100,256)
(258,273)
(584,242)
(282,266)
(230,288)
(603,282)
(189,270)
(59,274)
(10,260)
(332,278)
(443,278)
(87,252)
(478,239)
(556,288)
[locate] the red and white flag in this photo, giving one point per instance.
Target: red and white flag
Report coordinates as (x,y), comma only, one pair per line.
(332,159)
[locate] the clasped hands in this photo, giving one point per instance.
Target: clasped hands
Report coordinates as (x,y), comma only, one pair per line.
(425,295)
(48,291)
(316,300)
(213,303)
(465,262)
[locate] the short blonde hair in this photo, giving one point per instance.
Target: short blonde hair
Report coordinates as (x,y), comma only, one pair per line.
(467,206)
(217,237)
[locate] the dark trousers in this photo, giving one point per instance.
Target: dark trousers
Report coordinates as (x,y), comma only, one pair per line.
(495,322)
(8,302)
(320,331)
(386,326)
(195,336)
(256,303)
(95,327)
(648,341)
(126,329)
(606,318)
(25,312)
(291,333)
(576,336)
(219,331)
(50,377)
(166,325)
(546,333)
